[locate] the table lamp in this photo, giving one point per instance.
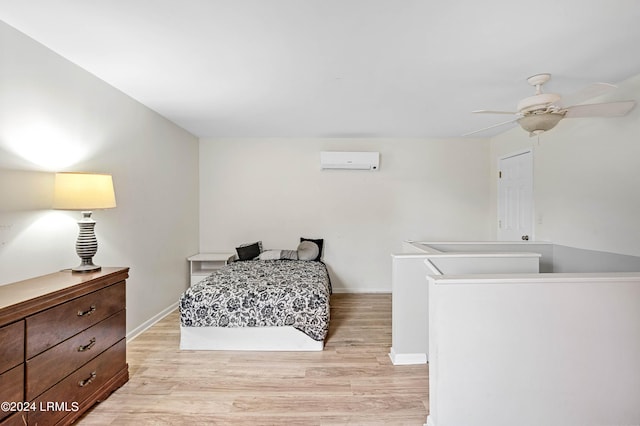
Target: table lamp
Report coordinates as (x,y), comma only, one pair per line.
(84,192)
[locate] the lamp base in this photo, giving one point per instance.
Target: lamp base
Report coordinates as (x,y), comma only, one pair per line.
(87,244)
(86,267)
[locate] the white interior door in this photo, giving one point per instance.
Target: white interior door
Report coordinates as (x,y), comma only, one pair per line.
(515,197)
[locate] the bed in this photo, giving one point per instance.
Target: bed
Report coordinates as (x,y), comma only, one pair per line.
(269,305)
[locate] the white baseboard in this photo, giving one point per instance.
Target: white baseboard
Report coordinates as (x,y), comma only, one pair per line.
(430,421)
(407,359)
(151,321)
(360,290)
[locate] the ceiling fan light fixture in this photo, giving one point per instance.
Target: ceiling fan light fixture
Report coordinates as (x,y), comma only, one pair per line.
(539,123)
(543,111)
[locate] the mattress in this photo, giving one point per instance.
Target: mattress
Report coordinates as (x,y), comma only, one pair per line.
(261,293)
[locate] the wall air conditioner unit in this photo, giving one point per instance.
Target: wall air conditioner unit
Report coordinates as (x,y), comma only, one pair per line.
(349,160)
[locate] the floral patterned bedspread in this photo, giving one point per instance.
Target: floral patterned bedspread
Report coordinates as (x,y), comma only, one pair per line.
(260,293)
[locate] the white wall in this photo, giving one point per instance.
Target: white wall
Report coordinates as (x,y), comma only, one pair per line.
(54,116)
(409,313)
(586,178)
(273,190)
(551,349)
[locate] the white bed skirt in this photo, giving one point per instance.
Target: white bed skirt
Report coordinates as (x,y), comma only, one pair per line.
(247,339)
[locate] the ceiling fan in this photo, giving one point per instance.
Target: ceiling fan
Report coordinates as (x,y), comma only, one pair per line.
(541,112)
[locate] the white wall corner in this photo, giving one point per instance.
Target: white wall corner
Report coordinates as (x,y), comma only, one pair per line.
(407,359)
(430,421)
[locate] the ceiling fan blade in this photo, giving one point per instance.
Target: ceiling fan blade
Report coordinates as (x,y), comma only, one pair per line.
(586,93)
(607,109)
(488,111)
(491,127)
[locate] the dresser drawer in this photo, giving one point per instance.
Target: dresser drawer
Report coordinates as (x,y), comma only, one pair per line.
(80,386)
(12,387)
(12,346)
(54,325)
(49,367)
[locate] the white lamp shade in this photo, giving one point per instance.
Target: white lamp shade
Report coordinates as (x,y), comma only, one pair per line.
(83,191)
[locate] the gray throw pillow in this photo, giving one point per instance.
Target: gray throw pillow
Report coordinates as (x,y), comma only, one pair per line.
(308,250)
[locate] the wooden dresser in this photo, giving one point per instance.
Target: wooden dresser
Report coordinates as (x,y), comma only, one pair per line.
(62,345)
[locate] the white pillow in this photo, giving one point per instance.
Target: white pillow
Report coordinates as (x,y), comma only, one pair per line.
(308,250)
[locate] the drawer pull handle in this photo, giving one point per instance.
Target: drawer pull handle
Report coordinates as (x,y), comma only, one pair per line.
(85,382)
(91,310)
(88,346)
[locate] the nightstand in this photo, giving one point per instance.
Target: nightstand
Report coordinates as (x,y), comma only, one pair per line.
(203,264)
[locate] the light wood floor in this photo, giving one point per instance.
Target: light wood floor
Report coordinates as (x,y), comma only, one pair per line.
(351,382)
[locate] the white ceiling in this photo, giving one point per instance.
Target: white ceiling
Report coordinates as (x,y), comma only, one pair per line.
(336,68)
